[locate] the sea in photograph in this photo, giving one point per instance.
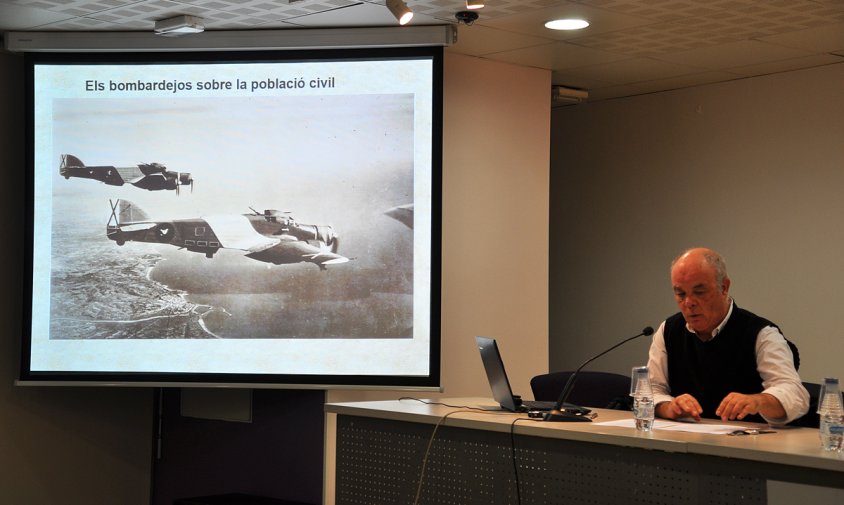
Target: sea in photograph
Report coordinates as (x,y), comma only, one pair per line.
(100,290)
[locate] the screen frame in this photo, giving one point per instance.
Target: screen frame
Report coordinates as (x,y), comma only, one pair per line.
(431,381)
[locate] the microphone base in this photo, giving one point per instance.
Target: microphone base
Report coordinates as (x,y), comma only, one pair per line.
(567,416)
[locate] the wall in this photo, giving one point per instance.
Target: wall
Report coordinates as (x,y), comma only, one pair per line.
(57,445)
(91,446)
(753,168)
(495,222)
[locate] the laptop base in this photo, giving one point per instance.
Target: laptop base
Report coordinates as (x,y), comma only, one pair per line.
(568,416)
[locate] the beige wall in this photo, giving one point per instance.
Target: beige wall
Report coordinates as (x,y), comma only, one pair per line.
(753,168)
(69,446)
(495,221)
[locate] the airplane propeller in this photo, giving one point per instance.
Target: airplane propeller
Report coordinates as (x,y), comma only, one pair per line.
(183,179)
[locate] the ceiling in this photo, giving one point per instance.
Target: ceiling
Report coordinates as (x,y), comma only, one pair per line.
(632,47)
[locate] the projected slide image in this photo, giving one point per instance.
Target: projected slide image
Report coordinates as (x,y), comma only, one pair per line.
(227,217)
(237,218)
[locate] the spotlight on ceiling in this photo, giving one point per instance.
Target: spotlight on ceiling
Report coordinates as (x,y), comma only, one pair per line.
(179,26)
(474,4)
(400,10)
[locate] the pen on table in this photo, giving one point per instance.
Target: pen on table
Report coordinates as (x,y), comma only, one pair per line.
(751,431)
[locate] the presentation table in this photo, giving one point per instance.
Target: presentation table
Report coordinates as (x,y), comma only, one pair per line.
(466,451)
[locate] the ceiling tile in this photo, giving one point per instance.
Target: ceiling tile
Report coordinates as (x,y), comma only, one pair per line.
(633,70)
(617,91)
(559,56)
(734,54)
(686,81)
(358,14)
(813,60)
(569,80)
(822,39)
(16,17)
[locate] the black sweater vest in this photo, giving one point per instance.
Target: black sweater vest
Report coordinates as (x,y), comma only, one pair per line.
(711,370)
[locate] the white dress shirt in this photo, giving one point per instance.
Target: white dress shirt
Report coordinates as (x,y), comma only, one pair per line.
(774,362)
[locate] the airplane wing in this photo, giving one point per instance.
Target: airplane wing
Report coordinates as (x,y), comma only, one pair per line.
(152,179)
(128,174)
(236,232)
(294,251)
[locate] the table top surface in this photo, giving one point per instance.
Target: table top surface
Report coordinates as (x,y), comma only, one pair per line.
(787,446)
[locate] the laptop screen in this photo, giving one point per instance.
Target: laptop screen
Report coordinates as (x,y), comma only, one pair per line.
(495,373)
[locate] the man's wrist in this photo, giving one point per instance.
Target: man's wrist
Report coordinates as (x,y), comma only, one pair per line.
(660,408)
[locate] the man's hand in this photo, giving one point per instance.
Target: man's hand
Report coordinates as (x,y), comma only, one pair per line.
(684,405)
(738,406)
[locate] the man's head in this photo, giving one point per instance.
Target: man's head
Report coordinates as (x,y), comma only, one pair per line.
(701,289)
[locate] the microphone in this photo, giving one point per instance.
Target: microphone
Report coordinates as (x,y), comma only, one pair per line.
(573,413)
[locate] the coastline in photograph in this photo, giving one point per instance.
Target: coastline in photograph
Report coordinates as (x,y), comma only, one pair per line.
(113,297)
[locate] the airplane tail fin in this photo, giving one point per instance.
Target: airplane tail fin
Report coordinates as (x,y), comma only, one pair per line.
(128,213)
(71,161)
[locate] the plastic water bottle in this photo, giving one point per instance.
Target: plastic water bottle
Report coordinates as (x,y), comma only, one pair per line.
(831,415)
(643,398)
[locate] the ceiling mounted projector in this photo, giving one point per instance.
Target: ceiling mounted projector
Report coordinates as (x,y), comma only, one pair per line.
(179,26)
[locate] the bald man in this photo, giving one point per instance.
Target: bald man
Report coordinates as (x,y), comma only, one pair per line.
(713,359)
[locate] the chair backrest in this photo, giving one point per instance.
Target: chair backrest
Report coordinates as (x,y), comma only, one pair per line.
(795,353)
(591,389)
(811,419)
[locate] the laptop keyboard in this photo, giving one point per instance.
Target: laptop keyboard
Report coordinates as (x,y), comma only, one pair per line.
(537,405)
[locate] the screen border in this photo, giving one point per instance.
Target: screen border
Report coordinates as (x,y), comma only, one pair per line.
(58,377)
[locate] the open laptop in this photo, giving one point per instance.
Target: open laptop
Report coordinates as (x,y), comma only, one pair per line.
(498,382)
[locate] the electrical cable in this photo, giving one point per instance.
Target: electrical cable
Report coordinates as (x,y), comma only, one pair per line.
(428,451)
(467,408)
(513,454)
(426,402)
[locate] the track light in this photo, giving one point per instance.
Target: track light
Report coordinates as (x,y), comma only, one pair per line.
(400,10)
(178,26)
(474,4)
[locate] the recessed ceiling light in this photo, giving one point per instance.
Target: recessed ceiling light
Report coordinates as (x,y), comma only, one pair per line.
(567,24)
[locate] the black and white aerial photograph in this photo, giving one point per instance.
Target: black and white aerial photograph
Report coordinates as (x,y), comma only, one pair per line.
(232,217)
(253,218)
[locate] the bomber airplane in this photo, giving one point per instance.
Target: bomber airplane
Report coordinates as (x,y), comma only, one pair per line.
(272,236)
(149,176)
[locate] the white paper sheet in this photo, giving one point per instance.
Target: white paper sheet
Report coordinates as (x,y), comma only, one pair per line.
(659,424)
